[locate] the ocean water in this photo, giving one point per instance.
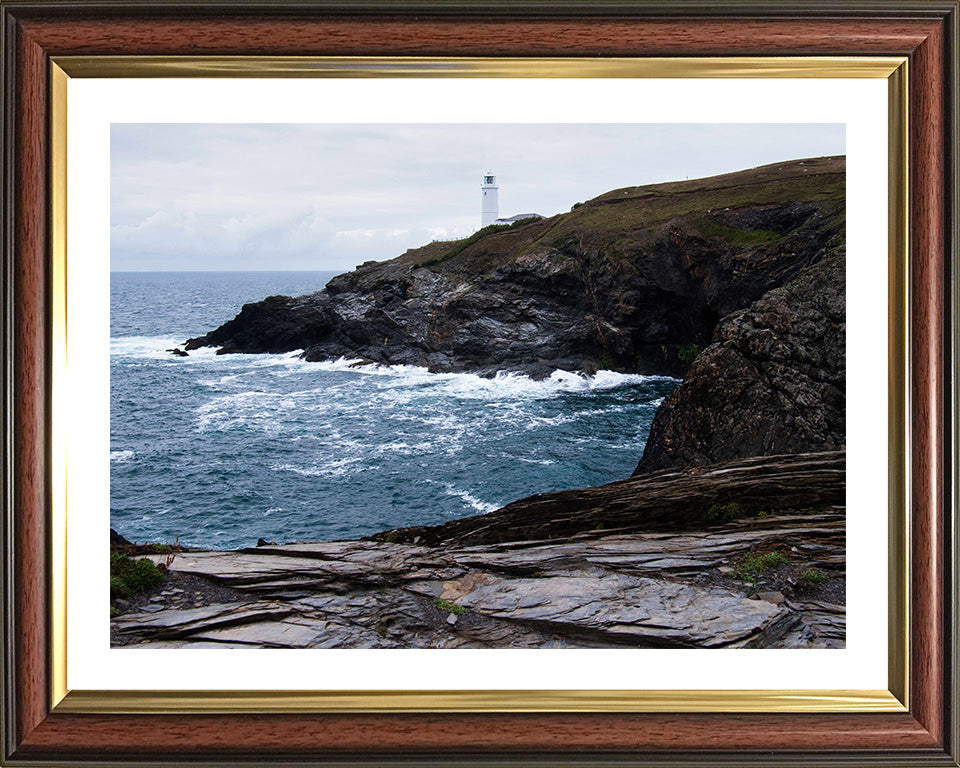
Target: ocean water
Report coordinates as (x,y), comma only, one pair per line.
(219,451)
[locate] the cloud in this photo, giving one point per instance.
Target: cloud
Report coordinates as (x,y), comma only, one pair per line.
(251,196)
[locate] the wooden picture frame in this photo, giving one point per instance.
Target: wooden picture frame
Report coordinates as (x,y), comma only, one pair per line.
(38,729)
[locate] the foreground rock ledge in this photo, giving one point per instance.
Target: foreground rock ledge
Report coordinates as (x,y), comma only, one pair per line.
(662,501)
(595,588)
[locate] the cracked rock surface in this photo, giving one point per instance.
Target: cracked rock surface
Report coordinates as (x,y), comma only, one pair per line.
(679,588)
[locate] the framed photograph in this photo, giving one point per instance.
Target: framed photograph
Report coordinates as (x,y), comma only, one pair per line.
(479,384)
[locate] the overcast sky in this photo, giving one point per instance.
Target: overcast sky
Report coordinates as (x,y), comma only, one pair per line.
(264,196)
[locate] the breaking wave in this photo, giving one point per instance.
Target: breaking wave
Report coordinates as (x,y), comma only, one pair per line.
(220,450)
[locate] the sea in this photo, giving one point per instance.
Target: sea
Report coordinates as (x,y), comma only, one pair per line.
(220,451)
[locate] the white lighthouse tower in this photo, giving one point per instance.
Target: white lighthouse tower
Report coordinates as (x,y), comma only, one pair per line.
(490,207)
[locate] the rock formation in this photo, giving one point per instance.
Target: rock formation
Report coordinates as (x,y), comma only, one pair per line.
(773,380)
(633,280)
(660,501)
(773,578)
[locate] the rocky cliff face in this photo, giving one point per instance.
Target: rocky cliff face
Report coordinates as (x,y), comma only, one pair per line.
(773,380)
(634,280)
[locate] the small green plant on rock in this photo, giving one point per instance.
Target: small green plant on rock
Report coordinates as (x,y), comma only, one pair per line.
(448,607)
(813,578)
(129,577)
(688,353)
(730,510)
(754,565)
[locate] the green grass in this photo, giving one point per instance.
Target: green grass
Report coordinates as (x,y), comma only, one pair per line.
(813,578)
(130,577)
(462,245)
(754,565)
(645,207)
(448,607)
(763,561)
(734,236)
(627,221)
(729,511)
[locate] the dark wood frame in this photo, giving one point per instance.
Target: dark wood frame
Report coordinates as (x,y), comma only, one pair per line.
(926,32)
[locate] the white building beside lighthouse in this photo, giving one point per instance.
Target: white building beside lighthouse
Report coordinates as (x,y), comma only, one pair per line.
(489,206)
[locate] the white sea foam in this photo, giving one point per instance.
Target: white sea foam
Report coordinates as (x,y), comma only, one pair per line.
(121,457)
(404,382)
(145,347)
(332,468)
(158,348)
(472,501)
(531,422)
(505,385)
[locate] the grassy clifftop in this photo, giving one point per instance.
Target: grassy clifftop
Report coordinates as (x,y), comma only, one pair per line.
(621,222)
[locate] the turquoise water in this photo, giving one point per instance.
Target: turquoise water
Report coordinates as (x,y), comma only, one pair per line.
(219,451)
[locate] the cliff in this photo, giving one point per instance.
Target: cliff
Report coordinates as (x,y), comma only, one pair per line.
(773,380)
(634,280)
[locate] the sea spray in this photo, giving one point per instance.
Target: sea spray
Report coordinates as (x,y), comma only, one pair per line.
(220,450)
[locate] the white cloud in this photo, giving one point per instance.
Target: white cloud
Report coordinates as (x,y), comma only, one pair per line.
(330,196)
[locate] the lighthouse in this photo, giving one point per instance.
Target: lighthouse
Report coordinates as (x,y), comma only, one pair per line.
(489,208)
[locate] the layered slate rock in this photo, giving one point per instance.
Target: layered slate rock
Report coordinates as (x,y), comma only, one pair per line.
(664,500)
(645,611)
(635,280)
(676,587)
(773,380)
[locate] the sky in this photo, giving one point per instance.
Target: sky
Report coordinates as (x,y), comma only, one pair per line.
(331,196)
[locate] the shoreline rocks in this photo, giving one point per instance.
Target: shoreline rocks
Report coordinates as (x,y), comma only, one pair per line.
(700,583)
(620,590)
(667,500)
(634,590)
(634,280)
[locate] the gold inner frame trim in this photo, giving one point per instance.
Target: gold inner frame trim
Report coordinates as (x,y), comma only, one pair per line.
(430,66)
(893,69)
(59,405)
(898,383)
(543,701)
